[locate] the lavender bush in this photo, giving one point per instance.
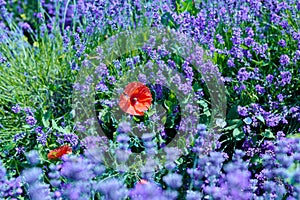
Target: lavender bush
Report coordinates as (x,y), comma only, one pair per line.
(50,149)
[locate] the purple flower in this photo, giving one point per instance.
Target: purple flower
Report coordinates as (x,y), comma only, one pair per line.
(20,150)
(284,60)
(142,78)
(193,195)
(19,136)
(158,89)
(238,184)
(101,86)
(260,90)
(286,78)
(124,127)
(269,78)
(188,71)
(39,191)
(130,63)
(173,180)
(32,175)
(76,168)
(25,26)
(249,41)
(280,134)
(243,75)
(284,24)
(250,32)
(297,55)
(16,108)
(242,111)
(33,157)
(230,62)
(39,15)
(280,97)
(2,3)
(41,136)
(112,189)
(148,191)
(136,59)
(30,120)
(282,43)
(272,120)
(71,138)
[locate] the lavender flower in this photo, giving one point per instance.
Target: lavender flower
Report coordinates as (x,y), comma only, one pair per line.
(112,189)
(286,78)
(33,157)
(260,90)
(284,60)
(282,43)
(243,75)
(39,191)
(242,111)
(76,168)
(32,175)
(193,195)
(19,136)
(16,108)
(173,180)
(269,78)
(41,135)
(124,127)
(147,191)
(71,138)
(30,120)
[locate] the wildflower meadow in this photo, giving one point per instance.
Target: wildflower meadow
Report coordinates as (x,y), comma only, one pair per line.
(150,99)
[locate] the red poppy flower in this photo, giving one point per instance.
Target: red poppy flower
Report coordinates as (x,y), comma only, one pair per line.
(59,152)
(136,99)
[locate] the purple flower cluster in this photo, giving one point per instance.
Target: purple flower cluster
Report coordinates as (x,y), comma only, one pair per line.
(212,175)
(9,188)
(255,45)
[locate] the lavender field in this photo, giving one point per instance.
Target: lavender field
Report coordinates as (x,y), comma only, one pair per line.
(150,99)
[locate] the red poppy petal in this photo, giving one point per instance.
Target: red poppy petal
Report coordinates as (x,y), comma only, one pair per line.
(141,93)
(132,111)
(131,88)
(126,106)
(139,107)
(59,152)
(145,95)
(124,102)
(144,100)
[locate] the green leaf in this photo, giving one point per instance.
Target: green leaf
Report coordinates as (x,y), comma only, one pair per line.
(237,134)
(45,122)
(268,134)
(297,135)
(230,127)
(54,124)
(10,146)
(164,119)
(260,118)
(26,126)
(168,104)
(136,119)
(203,103)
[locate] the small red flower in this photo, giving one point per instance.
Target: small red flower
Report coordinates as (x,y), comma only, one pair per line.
(143,182)
(59,152)
(136,99)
